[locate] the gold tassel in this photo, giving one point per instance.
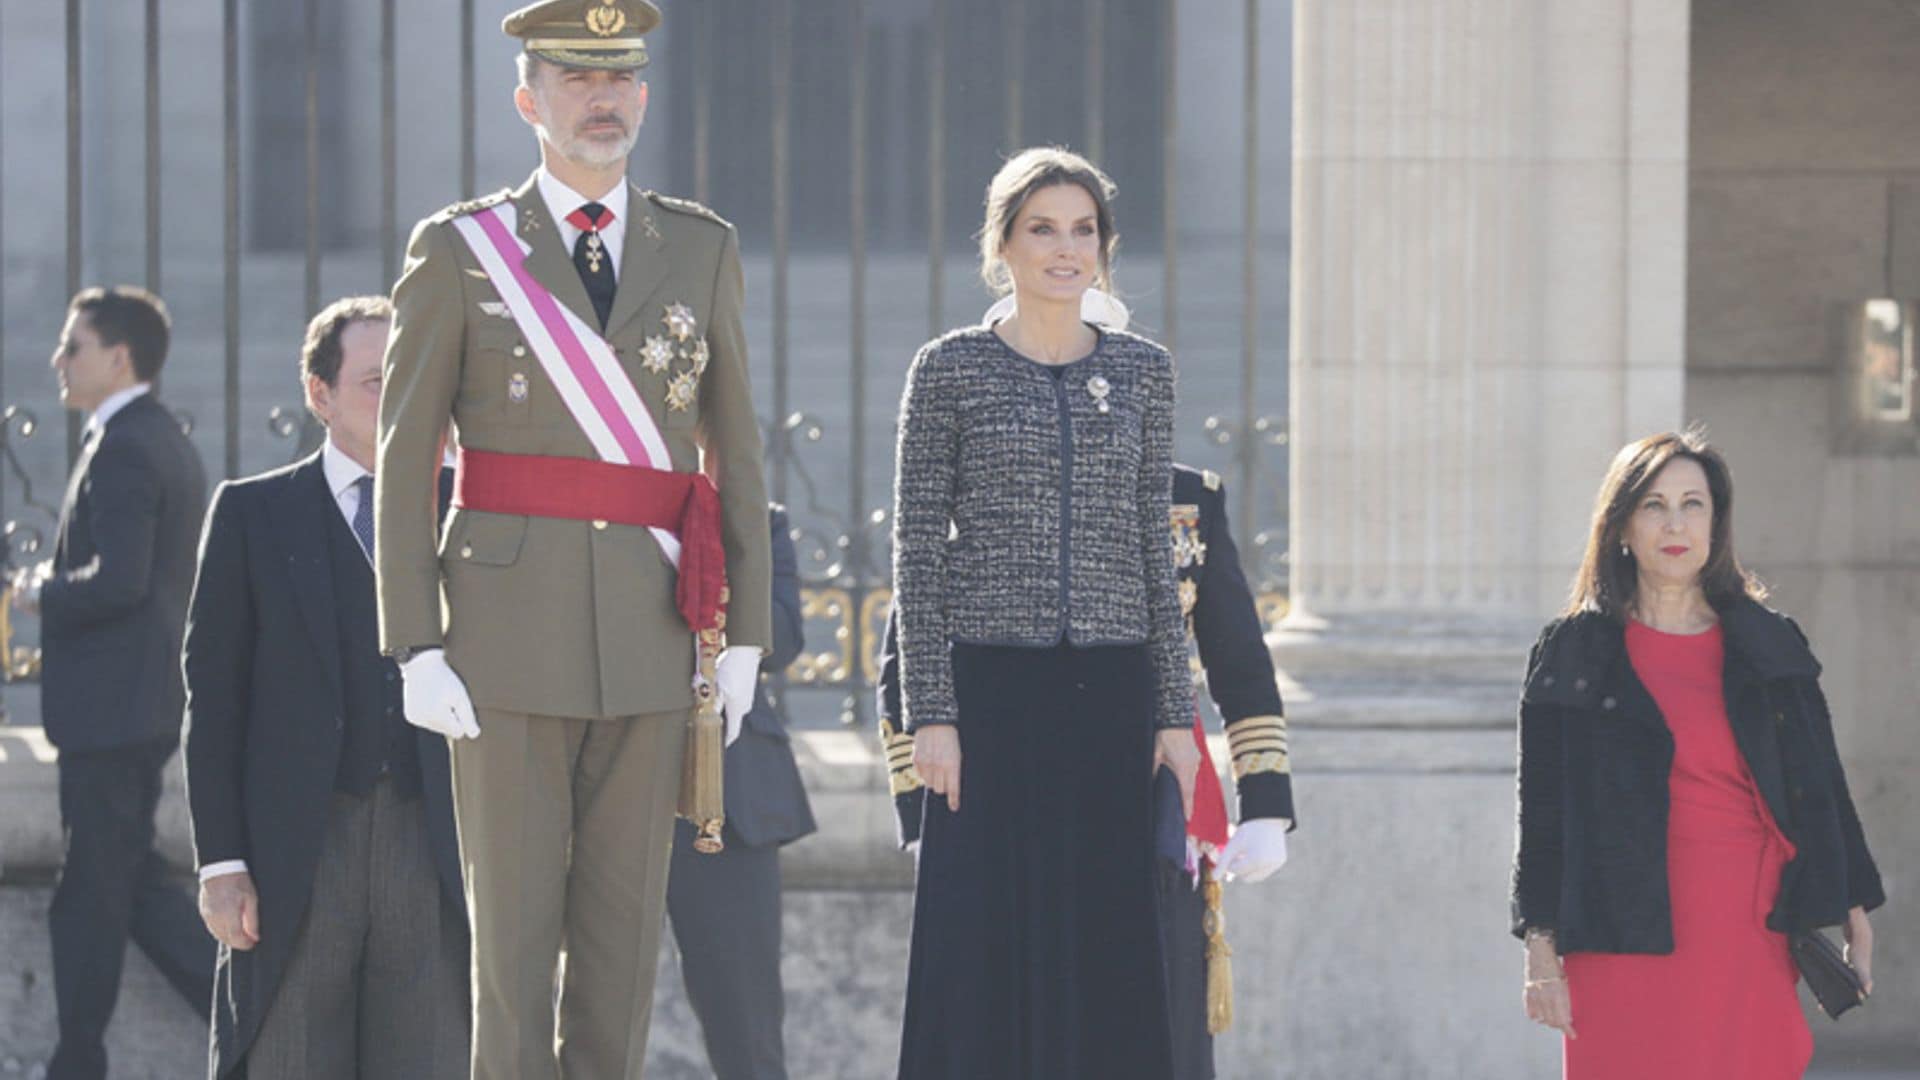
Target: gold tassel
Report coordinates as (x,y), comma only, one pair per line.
(702,797)
(1219,959)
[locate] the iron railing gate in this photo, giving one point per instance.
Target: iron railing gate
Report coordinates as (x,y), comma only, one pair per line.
(834,482)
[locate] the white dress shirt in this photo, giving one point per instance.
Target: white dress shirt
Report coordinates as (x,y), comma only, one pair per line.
(562,200)
(115,401)
(342,473)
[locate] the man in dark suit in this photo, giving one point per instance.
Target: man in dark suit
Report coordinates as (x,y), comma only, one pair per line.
(725,908)
(111,602)
(322,820)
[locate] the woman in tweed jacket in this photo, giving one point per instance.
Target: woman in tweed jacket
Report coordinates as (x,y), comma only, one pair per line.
(1040,629)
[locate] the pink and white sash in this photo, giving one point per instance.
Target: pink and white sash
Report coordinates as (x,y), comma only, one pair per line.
(577,360)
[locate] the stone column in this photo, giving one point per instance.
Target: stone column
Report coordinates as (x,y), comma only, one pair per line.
(1489,232)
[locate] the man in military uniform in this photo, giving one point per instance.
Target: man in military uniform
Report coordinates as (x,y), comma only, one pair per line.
(584,338)
(1239,673)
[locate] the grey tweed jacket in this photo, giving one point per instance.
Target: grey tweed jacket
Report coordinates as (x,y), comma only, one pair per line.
(1030,508)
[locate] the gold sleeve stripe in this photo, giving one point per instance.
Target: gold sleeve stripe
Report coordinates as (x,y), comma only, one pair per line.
(1266,761)
(1256,727)
(901,777)
(1258,744)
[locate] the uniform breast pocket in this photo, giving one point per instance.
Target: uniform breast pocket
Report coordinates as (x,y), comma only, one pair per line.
(503,382)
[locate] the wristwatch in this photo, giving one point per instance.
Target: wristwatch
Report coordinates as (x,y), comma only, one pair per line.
(407,652)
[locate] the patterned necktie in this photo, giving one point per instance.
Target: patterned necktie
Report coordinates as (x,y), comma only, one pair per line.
(591,259)
(363,515)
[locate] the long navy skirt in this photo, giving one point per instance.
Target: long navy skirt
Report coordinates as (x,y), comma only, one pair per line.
(1036,943)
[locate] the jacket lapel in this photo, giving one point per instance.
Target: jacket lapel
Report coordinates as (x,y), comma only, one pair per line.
(549,261)
(302,524)
(643,261)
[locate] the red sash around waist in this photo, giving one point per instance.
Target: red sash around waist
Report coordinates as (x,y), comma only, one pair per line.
(583,489)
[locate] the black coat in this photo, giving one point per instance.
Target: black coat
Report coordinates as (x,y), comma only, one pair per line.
(265,714)
(765,801)
(111,615)
(1595,754)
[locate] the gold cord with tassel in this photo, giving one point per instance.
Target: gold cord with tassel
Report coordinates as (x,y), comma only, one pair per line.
(702,800)
(1219,958)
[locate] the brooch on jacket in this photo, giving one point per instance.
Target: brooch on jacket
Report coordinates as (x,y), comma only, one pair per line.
(1099,387)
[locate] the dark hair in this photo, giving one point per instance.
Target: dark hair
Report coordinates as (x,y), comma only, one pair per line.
(1025,173)
(320,356)
(128,315)
(1607,578)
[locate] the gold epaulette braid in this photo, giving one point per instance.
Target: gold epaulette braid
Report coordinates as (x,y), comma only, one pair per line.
(1258,745)
(901,775)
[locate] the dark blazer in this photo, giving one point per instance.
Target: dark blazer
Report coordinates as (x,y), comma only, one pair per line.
(265,711)
(766,803)
(111,615)
(1595,755)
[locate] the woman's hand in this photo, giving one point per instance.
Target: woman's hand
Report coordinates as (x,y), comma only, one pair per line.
(1175,748)
(936,757)
(1860,946)
(1545,994)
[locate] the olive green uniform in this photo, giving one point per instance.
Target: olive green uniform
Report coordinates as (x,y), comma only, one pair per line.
(564,631)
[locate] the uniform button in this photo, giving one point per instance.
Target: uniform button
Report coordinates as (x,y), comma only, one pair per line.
(466,551)
(519,350)
(1546,680)
(1608,703)
(599,523)
(1579,684)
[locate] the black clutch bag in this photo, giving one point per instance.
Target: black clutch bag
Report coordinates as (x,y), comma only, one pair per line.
(1835,985)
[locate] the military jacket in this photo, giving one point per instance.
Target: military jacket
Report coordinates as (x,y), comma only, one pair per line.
(1232,656)
(552,616)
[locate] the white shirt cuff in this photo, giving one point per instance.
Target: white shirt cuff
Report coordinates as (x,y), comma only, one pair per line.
(222,869)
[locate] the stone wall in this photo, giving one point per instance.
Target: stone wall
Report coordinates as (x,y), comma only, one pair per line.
(1803,140)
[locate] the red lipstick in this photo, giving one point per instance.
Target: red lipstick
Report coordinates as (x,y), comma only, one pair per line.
(1675,549)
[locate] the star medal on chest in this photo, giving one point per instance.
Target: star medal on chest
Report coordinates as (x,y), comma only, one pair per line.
(1188,548)
(1099,387)
(680,321)
(680,391)
(656,354)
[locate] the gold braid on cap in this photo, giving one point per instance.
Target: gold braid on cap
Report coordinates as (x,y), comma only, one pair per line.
(1258,744)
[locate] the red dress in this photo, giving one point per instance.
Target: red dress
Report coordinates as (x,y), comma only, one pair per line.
(1723,1004)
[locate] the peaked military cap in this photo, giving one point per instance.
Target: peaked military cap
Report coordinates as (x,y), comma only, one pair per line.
(585,33)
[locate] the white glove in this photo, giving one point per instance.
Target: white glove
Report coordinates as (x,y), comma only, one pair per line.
(1258,848)
(738,673)
(435,697)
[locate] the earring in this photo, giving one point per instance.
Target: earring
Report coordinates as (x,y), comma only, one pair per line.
(1625,553)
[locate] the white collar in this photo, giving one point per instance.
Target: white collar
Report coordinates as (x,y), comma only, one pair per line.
(562,200)
(115,401)
(342,471)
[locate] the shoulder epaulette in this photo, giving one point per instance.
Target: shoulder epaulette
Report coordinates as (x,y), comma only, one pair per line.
(686,206)
(1211,479)
(468,206)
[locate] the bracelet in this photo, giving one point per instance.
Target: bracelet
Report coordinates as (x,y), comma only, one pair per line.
(1560,978)
(1539,933)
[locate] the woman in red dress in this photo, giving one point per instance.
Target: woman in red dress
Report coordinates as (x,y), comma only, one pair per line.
(1682,804)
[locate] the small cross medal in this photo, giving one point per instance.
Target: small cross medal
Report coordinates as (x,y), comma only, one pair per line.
(590,218)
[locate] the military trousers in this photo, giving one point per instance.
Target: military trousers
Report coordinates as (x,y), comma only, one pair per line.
(566,834)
